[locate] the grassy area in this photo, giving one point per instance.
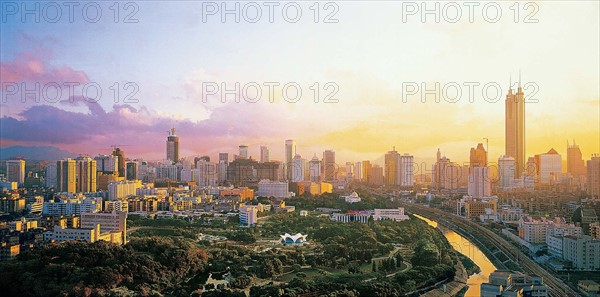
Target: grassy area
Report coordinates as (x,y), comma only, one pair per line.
(309,272)
(470,266)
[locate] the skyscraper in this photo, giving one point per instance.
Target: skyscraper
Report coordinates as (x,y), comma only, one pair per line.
(121,162)
(506,172)
(549,167)
(478,156)
(329,167)
(593,176)
(290,152)
(222,167)
(315,169)
(264,154)
(86,174)
(297,169)
(407,178)
(392,168)
(65,175)
(132,170)
(243,151)
(15,171)
(479,182)
(107,164)
(172,147)
(575,164)
(515,128)
(357,171)
(367,171)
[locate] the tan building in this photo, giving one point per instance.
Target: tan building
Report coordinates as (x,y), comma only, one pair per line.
(66,175)
(515,128)
(478,156)
(575,164)
(109,222)
(86,175)
(15,171)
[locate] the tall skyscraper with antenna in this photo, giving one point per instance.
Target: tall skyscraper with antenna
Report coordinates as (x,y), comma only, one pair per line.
(173,146)
(515,127)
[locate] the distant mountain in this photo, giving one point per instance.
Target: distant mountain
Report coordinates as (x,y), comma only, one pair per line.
(34,152)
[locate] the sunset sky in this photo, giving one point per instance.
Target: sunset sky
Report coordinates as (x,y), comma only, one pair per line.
(368,54)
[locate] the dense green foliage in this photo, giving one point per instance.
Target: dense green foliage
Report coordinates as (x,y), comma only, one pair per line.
(148,266)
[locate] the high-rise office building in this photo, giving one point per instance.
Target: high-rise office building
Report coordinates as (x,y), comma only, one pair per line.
(357,174)
(15,171)
(549,167)
(222,167)
(392,168)
(376,177)
(349,170)
(290,152)
(243,151)
(367,171)
(298,169)
(264,154)
(575,164)
(407,178)
(131,168)
(478,156)
(86,174)
(479,182)
(515,128)
(506,172)
(107,164)
(173,146)
(121,162)
(593,176)
(315,169)
(66,175)
(329,167)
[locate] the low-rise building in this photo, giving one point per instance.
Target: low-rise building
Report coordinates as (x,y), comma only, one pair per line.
(396,214)
(248,215)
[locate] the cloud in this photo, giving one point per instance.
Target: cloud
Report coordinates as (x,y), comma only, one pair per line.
(35,68)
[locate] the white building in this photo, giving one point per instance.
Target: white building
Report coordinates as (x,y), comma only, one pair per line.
(407,170)
(298,168)
(582,251)
(506,172)
(123,189)
(264,154)
(205,173)
(549,167)
(390,214)
(72,206)
(352,198)
(351,216)
(248,215)
(479,182)
(275,189)
(107,163)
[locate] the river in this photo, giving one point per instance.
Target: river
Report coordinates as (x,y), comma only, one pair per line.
(465,247)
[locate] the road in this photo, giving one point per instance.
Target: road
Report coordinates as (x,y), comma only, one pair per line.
(556,287)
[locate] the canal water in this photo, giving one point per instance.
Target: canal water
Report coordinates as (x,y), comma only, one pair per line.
(465,247)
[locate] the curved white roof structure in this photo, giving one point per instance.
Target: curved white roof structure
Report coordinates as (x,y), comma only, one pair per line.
(293,239)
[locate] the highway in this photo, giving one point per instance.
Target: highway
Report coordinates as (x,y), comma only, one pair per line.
(556,287)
